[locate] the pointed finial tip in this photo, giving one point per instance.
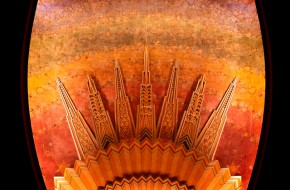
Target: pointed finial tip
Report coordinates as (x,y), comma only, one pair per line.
(116,63)
(58,80)
(145,49)
(235,80)
(176,63)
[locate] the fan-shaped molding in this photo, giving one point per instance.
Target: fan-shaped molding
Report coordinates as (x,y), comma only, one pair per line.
(148,155)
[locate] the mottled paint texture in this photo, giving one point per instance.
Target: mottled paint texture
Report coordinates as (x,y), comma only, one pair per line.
(220,39)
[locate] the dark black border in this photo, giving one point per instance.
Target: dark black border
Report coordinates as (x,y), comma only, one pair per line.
(20,147)
(268,161)
(23,170)
(259,176)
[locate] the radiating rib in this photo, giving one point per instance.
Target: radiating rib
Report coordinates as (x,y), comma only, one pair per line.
(103,126)
(167,122)
(187,131)
(123,114)
(146,126)
(209,136)
(82,135)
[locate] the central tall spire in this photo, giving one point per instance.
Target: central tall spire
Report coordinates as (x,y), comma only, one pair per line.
(146,72)
(146,127)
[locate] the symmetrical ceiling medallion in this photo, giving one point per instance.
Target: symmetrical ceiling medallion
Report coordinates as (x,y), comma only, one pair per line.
(148,154)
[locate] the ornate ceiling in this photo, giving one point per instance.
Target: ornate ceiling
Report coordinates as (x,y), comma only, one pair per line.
(217,40)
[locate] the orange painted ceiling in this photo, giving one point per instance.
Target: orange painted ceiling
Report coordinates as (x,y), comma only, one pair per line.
(72,39)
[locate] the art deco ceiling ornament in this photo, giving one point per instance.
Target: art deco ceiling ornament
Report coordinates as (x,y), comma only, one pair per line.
(148,154)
